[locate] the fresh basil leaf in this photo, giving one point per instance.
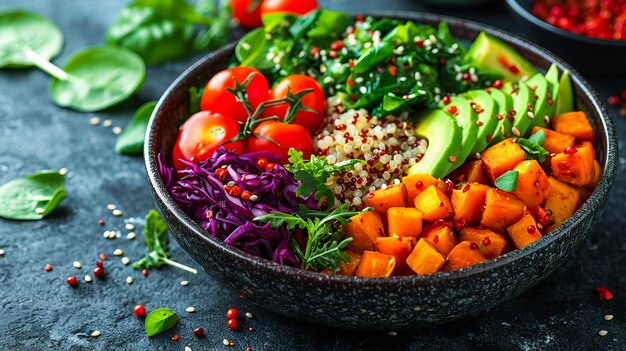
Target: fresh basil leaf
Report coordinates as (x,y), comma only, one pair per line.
(160,320)
(32,197)
(373,57)
(130,142)
(538,138)
(98,78)
(507,181)
(22,32)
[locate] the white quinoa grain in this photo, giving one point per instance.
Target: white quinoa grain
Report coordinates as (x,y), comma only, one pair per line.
(77,265)
(94,121)
(2,252)
(88,278)
(63,171)
(111,207)
(129,280)
(131,236)
(184,283)
(190,309)
(116,130)
(187,348)
(117,212)
(96,333)
(226,342)
(603,332)
(118,252)
(393,333)
(107,123)
(608,317)
(129,226)
(249,315)
(125,260)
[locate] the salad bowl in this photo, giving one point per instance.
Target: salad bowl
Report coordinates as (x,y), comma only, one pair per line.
(365,303)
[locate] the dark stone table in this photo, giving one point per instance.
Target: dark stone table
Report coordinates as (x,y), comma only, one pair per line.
(39,311)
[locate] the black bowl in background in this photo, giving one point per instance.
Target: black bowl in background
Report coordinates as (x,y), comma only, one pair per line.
(366,303)
(592,56)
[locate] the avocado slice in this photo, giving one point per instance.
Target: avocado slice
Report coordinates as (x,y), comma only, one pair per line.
(540,86)
(552,76)
(565,102)
(503,115)
(494,54)
(466,117)
(485,108)
(444,140)
(523,101)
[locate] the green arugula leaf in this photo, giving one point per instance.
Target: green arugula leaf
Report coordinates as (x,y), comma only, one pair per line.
(160,320)
(32,197)
(507,181)
(130,142)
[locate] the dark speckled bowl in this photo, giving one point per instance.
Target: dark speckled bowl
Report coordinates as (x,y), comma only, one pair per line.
(392,303)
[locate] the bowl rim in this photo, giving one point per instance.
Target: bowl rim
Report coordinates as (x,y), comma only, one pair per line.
(605,129)
(523,12)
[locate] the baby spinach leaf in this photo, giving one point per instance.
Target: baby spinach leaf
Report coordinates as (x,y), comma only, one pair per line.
(252,49)
(160,320)
(130,142)
(98,78)
(32,197)
(329,26)
(24,32)
(373,57)
(507,181)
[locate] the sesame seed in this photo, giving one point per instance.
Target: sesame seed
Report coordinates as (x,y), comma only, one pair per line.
(184,283)
(515,131)
(608,317)
(530,114)
(129,226)
(190,309)
(117,212)
(131,236)
(187,348)
(254,197)
(88,278)
(547,120)
(249,315)
(94,121)
(77,265)
(129,280)
(125,260)
(1,252)
(39,210)
(105,234)
(118,252)
(603,332)
(231,184)
(111,207)
(96,333)
(63,171)
(107,123)
(117,130)
(226,342)
(393,333)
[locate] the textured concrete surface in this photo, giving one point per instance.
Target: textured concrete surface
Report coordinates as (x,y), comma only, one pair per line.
(41,312)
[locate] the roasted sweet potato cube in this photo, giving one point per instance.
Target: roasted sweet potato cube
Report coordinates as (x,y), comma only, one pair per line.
(350,267)
(398,246)
(404,221)
(501,210)
(466,253)
(474,172)
(501,157)
(416,183)
(532,183)
(376,265)
(490,244)
(597,175)
(468,202)
(555,142)
(563,200)
(392,196)
(573,123)
(425,259)
(434,204)
(364,228)
(524,231)
(441,236)
(576,168)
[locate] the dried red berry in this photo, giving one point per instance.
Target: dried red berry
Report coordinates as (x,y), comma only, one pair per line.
(198,332)
(99,264)
(145,272)
(232,313)
(139,311)
(48,267)
(570,150)
(175,337)
(72,281)
(233,324)
(98,272)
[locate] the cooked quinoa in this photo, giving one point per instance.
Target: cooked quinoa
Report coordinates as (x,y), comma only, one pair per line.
(388,146)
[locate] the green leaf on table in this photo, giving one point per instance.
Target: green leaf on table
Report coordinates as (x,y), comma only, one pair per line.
(32,197)
(160,320)
(98,78)
(507,181)
(130,142)
(22,31)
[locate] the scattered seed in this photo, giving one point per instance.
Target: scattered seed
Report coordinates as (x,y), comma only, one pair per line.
(129,226)
(125,260)
(187,348)
(131,236)
(63,171)
(117,212)
(251,329)
(77,265)
(107,123)
(191,309)
(184,283)
(608,317)
(145,272)
(96,333)
(47,268)
(98,272)
(603,332)
(117,130)
(226,342)
(88,278)
(1,252)
(39,210)
(118,252)
(101,221)
(393,333)
(249,315)
(111,207)
(198,332)
(103,257)
(176,337)
(72,281)
(129,280)
(232,343)
(254,197)
(94,121)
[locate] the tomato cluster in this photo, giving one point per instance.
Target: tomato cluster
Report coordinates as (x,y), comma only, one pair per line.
(223,118)
(248,13)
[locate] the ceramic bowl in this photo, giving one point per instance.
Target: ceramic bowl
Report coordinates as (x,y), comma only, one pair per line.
(391,303)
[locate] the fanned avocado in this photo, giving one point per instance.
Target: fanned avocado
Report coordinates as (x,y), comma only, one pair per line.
(485,108)
(540,86)
(565,102)
(466,118)
(444,140)
(523,102)
(552,76)
(503,115)
(492,53)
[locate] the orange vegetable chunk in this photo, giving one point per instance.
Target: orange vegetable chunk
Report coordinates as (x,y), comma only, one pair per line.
(441,236)
(463,255)
(577,169)
(398,246)
(468,202)
(563,200)
(474,172)
(573,123)
(524,231)
(490,244)
(350,267)
(376,265)
(597,175)
(555,142)
(416,183)
(404,221)
(501,210)
(501,157)
(532,183)
(434,204)
(392,196)
(425,259)
(364,228)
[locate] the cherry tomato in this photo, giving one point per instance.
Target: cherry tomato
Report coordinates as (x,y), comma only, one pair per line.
(243,15)
(300,7)
(217,99)
(202,134)
(287,135)
(314,100)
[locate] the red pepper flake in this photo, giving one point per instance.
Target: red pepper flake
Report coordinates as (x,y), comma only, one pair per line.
(604,293)
(235,191)
(488,138)
(486,241)
(474,246)
(451,109)
(497,84)
(419,43)
(332,54)
(513,69)
(467,76)
(570,150)
(47,268)
(499,117)
(351,63)
(510,118)
(175,337)
(262,163)
(314,51)
(442,61)
(245,196)
(392,70)
(479,123)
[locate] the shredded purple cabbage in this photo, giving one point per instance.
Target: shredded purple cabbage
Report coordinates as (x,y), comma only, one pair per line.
(201,194)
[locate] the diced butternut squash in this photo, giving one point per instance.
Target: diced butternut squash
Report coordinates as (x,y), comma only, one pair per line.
(376,265)
(350,267)
(490,244)
(501,210)
(468,202)
(555,142)
(434,204)
(563,200)
(425,259)
(383,199)
(404,221)
(416,183)
(465,254)
(532,183)
(597,175)
(576,168)
(364,228)
(441,236)
(398,246)
(524,231)
(575,124)
(474,172)
(501,157)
